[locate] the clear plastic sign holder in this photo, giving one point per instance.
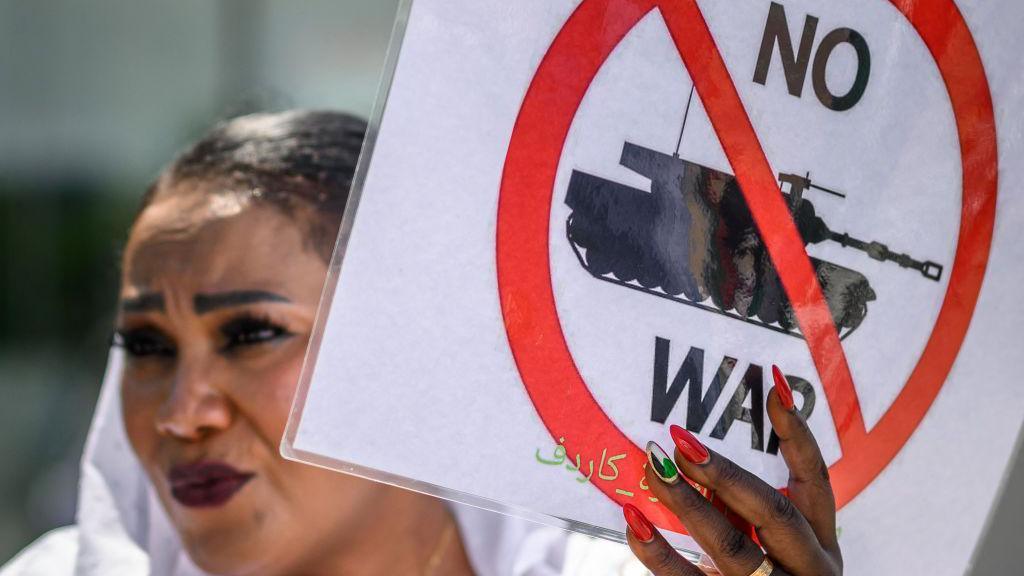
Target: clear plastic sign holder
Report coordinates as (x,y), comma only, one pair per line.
(288,448)
(932,268)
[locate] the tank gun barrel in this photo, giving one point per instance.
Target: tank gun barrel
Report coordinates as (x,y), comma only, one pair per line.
(826,190)
(816,230)
(882,253)
(798,183)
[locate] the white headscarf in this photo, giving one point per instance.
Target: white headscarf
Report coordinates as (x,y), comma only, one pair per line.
(122,529)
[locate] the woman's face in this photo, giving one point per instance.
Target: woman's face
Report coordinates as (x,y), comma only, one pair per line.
(217,304)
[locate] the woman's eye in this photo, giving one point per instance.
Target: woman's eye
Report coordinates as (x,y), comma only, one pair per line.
(249,331)
(143,343)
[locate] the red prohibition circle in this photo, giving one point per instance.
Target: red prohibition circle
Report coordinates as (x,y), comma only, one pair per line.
(546,366)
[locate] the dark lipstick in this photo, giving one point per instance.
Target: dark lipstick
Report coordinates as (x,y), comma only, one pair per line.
(206,484)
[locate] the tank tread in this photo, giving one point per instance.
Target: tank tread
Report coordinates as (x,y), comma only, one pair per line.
(707,306)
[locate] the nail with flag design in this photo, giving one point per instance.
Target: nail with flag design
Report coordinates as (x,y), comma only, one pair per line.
(662,464)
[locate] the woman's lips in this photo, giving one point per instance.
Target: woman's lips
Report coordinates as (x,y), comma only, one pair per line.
(206,484)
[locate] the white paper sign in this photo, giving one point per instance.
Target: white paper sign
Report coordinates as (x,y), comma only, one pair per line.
(585,221)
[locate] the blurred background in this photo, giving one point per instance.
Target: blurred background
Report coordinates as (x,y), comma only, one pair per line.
(94,99)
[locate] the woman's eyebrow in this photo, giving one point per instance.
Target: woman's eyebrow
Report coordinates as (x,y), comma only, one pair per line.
(204,303)
(146,302)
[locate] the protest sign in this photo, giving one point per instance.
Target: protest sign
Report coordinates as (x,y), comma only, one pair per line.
(584,221)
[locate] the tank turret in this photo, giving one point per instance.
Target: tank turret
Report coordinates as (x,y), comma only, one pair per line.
(692,240)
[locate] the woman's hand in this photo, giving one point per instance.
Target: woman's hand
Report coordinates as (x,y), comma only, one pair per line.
(798,533)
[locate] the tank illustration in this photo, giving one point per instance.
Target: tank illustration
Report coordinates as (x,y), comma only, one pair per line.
(693,240)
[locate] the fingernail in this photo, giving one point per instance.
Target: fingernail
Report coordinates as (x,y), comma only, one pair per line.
(782,388)
(662,464)
(689,446)
(638,524)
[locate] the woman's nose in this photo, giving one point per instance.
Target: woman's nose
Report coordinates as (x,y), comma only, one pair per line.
(195,408)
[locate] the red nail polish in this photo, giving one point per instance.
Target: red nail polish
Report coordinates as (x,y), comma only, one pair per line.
(688,445)
(782,388)
(638,524)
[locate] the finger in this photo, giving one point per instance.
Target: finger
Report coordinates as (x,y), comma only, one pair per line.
(810,489)
(651,548)
(733,552)
(781,528)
